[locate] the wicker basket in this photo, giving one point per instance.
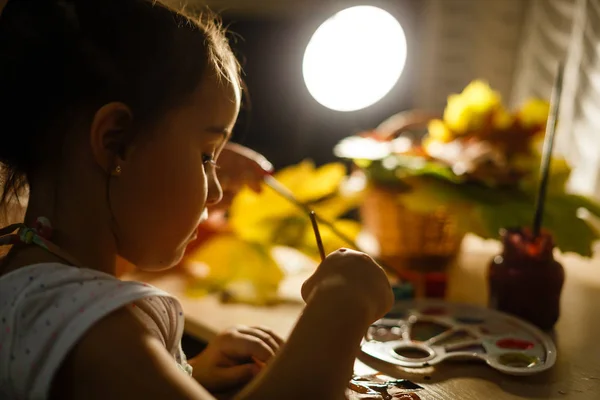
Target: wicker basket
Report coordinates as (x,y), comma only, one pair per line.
(410,240)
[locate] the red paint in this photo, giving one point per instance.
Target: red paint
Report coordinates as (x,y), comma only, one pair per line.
(515,344)
(434,311)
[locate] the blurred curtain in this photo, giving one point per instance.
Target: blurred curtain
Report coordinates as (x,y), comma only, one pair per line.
(566,31)
(464,40)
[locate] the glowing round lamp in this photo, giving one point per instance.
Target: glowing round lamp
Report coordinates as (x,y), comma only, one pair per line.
(354,58)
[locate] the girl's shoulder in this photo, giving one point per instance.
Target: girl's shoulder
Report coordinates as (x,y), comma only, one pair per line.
(46,308)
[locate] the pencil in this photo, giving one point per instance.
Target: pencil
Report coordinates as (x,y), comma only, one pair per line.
(313,219)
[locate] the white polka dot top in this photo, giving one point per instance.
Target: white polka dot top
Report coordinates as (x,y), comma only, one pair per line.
(46,308)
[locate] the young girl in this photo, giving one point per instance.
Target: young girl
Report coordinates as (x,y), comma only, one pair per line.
(113,115)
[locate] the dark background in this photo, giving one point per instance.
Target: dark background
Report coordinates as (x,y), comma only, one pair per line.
(279,117)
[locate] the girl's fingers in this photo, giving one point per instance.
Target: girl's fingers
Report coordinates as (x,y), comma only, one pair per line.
(269,332)
(264,336)
(242,346)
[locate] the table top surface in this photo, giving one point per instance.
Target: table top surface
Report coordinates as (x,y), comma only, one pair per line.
(576,374)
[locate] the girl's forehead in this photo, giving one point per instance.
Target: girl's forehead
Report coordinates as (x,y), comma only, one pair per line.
(216,101)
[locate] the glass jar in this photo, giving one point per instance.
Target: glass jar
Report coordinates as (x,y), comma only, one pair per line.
(525,280)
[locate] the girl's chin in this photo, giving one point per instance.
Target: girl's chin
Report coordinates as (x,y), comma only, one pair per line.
(169,261)
(192,239)
(166,265)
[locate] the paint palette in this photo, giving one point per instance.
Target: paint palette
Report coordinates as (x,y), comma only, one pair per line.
(421,333)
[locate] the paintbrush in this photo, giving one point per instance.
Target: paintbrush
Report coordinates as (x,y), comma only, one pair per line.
(315,225)
(547,151)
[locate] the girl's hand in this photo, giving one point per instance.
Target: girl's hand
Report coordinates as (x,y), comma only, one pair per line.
(356,275)
(234,358)
(239,166)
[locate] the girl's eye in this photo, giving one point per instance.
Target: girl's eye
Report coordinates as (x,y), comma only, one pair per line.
(210,160)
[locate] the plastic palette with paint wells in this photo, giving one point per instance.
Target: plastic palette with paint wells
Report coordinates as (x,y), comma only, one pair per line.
(422,333)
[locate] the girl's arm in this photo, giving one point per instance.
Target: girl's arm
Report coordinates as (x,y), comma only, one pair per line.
(318,359)
(119,359)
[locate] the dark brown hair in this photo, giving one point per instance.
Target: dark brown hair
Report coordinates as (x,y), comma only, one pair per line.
(65,58)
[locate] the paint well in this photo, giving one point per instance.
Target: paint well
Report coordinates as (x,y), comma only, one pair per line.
(412,353)
(421,331)
(515,344)
(456,338)
(518,360)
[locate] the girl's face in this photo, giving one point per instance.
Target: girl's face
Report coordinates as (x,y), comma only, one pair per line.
(167,178)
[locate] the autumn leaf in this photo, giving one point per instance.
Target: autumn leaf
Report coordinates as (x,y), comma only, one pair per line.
(232,262)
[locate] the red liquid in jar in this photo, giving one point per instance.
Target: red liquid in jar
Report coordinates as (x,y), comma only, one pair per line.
(525,280)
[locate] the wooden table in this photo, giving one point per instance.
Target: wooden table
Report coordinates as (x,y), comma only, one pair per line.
(576,374)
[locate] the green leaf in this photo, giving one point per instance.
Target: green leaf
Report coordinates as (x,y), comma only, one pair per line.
(398,167)
(584,202)
(571,234)
(504,212)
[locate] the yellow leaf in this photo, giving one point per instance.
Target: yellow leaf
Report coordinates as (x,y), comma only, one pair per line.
(534,113)
(456,114)
(256,230)
(479,95)
(337,205)
(231,260)
(254,217)
(257,217)
(309,183)
(290,176)
(322,182)
(471,110)
(438,130)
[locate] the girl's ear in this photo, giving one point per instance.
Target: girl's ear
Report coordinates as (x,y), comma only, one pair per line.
(110,133)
